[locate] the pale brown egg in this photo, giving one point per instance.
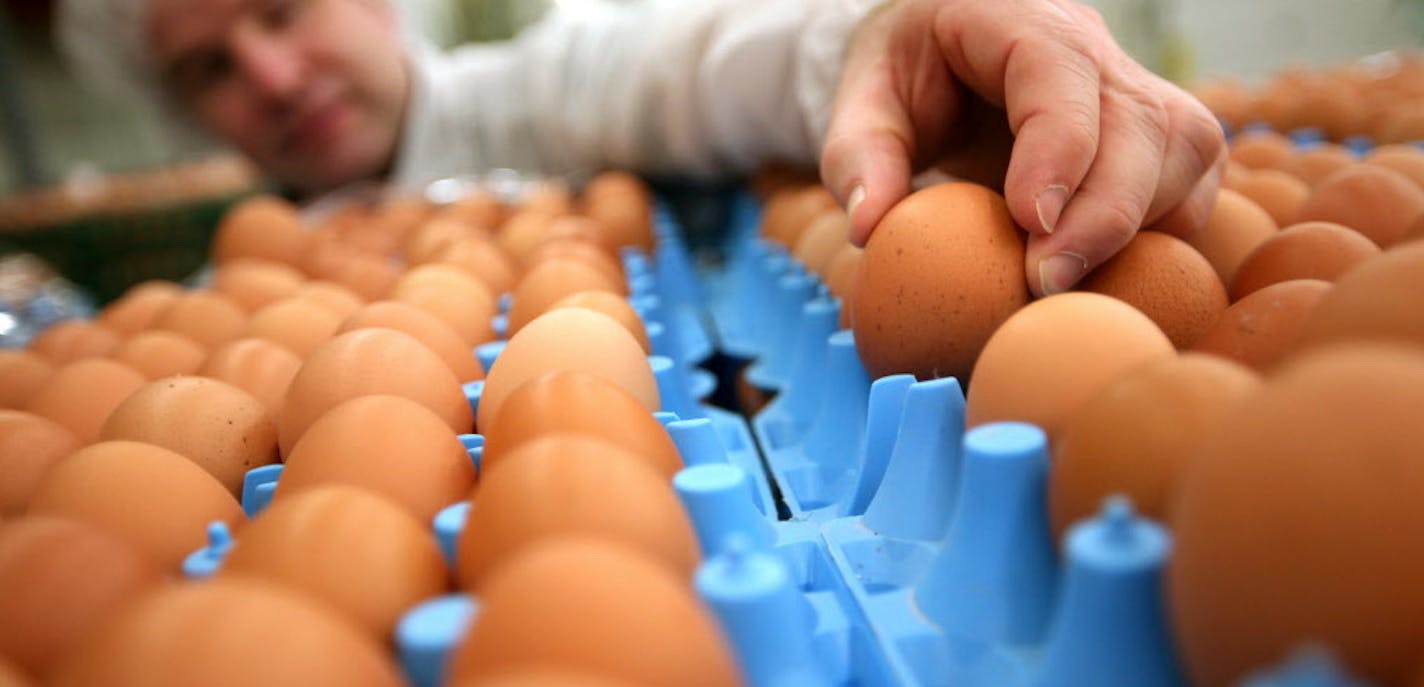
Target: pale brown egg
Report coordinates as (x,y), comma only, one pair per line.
(550,282)
(29,445)
(1260,150)
(158,354)
(448,293)
(569,339)
(790,211)
(941,272)
(1168,280)
(1307,495)
(365,362)
(1405,159)
(580,403)
(584,251)
(824,237)
(253,284)
(614,306)
(1140,433)
(139,307)
(300,325)
(482,259)
(59,580)
(264,227)
(333,296)
(1377,299)
(1278,193)
(221,428)
(207,317)
(261,368)
(211,630)
(159,502)
(82,394)
(623,204)
(1261,328)
(1309,250)
(1053,355)
(1314,165)
(357,551)
(71,340)
(587,604)
(430,330)
(23,373)
(1234,229)
(354,442)
(1377,202)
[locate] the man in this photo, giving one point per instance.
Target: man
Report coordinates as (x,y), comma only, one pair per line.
(321,93)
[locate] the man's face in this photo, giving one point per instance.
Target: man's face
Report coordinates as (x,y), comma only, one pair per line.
(313,91)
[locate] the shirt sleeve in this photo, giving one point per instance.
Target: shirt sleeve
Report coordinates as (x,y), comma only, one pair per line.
(702,88)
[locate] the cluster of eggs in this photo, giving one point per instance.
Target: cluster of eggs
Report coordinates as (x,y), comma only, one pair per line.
(1251,384)
(345,352)
(1380,97)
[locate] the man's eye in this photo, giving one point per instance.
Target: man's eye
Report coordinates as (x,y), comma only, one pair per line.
(278,14)
(200,75)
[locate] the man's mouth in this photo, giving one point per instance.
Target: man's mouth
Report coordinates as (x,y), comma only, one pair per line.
(317,127)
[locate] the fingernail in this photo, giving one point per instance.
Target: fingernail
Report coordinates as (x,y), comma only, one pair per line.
(1049,205)
(857,195)
(1060,271)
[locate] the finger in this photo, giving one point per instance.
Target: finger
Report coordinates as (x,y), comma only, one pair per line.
(1195,144)
(1192,213)
(1113,199)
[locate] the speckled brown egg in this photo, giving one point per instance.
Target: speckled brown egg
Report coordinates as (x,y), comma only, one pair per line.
(1234,229)
(81,395)
(207,317)
(211,631)
(214,424)
(942,270)
(29,445)
(1278,193)
(1259,329)
(264,227)
(1377,202)
(24,373)
(253,284)
(355,441)
(1168,280)
(71,340)
(1377,299)
(1309,250)
(430,330)
(300,325)
(261,368)
(448,293)
(159,502)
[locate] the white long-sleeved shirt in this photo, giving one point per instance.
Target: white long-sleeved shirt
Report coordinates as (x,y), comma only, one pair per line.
(694,87)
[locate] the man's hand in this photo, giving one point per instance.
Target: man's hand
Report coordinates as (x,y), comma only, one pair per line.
(1100,145)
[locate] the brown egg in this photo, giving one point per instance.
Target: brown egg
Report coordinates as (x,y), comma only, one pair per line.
(368,276)
(139,307)
(550,195)
(1309,250)
(535,677)
(451,295)
(333,296)
(841,277)
(585,604)
(220,427)
(579,228)
(1402,123)
(1377,202)
(206,634)
(1234,229)
(1260,150)
(580,403)
(1258,330)
(261,368)
(1415,231)
(253,284)
(524,231)
(550,282)
(300,325)
(1335,108)
(1377,299)
(207,317)
(370,361)
(1405,159)
(326,255)
(1228,99)
(156,500)
(482,259)
(432,237)
(789,213)
(824,237)
(1314,165)
(569,339)
(12,676)
(1308,495)
(614,306)
(81,395)
(264,227)
(71,340)
(480,209)
(941,272)
(29,445)
(430,330)
(1278,193)
(1053,355)
(587,252)
(1140,433)
(357,551)
(1168,280)
(354,442)
(60,579)
(623,204)
(160,354)
(24,373)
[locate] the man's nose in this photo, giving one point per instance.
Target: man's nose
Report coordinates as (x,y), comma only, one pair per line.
(268,62)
